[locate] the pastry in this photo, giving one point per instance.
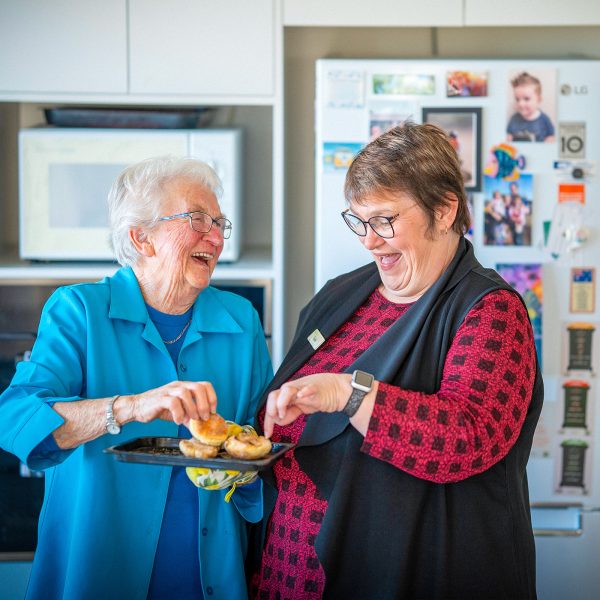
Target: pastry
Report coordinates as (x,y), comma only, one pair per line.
(213,431)
(194,449)
(247,446)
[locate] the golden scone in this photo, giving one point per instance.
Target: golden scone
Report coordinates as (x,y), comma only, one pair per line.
(247,446)
(212,431)
(195,449)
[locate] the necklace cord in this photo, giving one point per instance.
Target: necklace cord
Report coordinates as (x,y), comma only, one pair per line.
(180,334)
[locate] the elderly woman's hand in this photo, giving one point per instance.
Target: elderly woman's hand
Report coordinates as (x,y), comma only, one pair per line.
(178,401)
(323,392)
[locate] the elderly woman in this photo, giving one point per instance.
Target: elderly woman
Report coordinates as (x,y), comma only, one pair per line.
(140,354)
(412,392)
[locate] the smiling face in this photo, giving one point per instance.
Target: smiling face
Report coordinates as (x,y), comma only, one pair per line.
(411,260)
(527,101)
(177,262)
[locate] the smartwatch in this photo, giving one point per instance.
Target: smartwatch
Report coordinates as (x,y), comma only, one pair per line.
(112,426)
(362,384)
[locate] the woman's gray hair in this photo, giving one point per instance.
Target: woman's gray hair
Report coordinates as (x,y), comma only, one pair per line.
(135,198)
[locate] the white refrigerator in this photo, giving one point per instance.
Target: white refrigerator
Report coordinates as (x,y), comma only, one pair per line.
(546,244)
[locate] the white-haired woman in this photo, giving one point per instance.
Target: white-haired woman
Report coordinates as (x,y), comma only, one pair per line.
(140,354)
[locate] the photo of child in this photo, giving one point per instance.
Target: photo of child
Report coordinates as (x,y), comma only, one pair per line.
(507,211)
(531,113)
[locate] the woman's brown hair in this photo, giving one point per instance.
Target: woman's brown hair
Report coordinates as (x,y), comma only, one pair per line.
(417,160)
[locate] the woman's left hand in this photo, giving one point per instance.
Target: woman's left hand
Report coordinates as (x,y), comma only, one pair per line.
(323,392)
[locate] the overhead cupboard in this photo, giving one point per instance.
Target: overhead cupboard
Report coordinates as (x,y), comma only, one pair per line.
(142,54)
(189,47)
(439,13)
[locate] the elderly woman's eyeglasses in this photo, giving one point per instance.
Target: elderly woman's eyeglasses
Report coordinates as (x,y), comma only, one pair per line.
(203,222)
(382,226)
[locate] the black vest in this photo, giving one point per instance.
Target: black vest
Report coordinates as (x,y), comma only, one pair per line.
(386,533)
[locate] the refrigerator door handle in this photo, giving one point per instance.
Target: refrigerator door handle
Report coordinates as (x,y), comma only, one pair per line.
(558,518)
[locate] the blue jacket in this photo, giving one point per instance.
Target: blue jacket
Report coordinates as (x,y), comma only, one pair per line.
(101,519)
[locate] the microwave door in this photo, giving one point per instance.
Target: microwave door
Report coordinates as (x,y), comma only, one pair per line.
(68,206)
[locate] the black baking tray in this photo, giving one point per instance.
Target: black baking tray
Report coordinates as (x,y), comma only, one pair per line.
(126,118)
(164,451)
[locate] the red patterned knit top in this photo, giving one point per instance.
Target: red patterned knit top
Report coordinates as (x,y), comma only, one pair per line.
(470,424)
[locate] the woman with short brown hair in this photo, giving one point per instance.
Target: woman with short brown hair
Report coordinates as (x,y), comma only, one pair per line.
(412,392)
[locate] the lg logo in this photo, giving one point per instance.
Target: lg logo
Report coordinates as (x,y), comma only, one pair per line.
(579,90)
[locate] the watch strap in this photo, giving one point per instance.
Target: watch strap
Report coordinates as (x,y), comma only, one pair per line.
(354,402)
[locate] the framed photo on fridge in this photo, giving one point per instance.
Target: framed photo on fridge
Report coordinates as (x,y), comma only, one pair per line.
(463,127)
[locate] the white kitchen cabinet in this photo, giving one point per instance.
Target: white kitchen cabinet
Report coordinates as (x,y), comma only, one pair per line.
(202,47)
(439,13)
(227,55)
(376,13)
(138,50)
(532,12)
(63,46)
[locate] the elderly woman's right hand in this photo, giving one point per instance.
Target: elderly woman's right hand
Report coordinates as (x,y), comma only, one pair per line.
(178,401)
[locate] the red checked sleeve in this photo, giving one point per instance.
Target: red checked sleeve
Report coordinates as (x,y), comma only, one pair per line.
(475,418)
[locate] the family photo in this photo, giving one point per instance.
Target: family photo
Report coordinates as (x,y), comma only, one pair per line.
(507,211)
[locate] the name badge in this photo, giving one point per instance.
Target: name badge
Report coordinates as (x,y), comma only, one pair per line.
(316,339)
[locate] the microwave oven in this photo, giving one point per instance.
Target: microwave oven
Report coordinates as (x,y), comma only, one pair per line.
(65,176)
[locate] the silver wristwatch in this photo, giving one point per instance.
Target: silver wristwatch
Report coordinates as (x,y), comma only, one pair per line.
(112,426)
(362,384)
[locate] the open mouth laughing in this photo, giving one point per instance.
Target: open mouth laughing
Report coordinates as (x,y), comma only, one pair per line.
(203,257)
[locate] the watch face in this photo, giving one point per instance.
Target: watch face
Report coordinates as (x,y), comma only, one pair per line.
(113,428)
(362,379)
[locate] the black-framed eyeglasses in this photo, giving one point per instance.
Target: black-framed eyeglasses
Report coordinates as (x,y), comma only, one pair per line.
(202,222)
(382,226)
